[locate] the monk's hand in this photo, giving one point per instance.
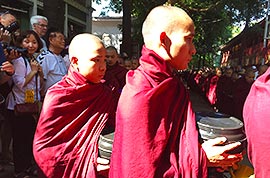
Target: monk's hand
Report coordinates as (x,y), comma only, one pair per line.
(218,155)
(103,166)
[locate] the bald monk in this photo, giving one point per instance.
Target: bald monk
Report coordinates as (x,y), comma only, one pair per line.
(115,77)
(74,113)
(156,133)
(256,119)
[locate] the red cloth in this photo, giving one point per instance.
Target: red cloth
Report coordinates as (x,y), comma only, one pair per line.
(211,94)
(115,78)
(73,114)
(257,121)
(156,133)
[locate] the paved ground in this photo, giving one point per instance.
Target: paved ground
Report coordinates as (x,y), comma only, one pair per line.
(199,105)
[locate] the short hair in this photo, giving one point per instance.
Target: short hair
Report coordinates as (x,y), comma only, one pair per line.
(26,34)
(51,33)
(34,19)
(3,13)
(112,48)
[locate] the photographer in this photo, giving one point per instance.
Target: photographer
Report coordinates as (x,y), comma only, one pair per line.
(6,19)
(27,80)
(8,27)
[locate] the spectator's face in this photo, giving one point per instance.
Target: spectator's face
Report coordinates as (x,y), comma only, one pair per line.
(30,43)
(182,47)
(41,27)
(7,19)
(58,41)
(111,57)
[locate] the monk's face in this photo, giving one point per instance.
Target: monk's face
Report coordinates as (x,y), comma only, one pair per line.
(111,57)
(93,65)
(250,77)
(128,64)
(182,47)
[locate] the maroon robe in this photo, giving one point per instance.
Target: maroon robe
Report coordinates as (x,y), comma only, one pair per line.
(257,121)
(115,78)
(224,95)
(73,114)
(156,133)
(240,93)
(211,94)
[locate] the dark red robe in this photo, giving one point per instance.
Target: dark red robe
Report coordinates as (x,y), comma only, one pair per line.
(156,133)
(257,121)
(211,93)
(240,93)
(224,95)
(115,78)
(73,114)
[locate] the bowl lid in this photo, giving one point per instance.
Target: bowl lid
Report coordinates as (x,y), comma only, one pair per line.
(218,121)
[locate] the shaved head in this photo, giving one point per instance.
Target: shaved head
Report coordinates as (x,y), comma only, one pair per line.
(83,44)
(164,19)
(169,31)
(87,56)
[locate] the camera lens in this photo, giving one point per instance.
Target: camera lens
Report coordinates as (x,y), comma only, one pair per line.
(13,27)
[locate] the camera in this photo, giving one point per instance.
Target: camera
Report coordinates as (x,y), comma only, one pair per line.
(12,27)
(21,51)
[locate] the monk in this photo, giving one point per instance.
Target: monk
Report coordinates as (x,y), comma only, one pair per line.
(74,112)
(256,119)
(211,93)
(156,134)
(224,92)
(240,92)
(115,77)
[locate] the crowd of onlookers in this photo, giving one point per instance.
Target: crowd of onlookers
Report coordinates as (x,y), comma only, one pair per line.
(31,62)
(225,88)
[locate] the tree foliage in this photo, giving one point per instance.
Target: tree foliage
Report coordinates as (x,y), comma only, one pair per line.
(214,20)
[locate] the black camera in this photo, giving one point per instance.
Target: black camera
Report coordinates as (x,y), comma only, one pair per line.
(12,27)
(21,51)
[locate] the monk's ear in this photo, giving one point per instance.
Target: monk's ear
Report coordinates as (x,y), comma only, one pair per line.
(162,37)
(74,61)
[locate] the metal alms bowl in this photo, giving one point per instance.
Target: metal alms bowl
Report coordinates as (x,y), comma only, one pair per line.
(212,125)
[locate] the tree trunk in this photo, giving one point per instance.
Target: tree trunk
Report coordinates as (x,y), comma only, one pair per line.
(126,24)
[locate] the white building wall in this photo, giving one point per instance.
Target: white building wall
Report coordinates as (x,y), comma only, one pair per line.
(107,29)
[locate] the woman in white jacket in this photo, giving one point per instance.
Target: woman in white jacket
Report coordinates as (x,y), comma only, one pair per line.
(26,88)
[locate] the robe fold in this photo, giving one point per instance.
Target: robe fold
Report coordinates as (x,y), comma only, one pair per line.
(115,78)
(73,114)
(156,134)
(257,121)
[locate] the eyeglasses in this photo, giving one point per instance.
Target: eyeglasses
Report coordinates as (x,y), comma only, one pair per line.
(42,25)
